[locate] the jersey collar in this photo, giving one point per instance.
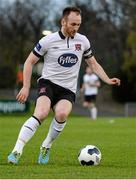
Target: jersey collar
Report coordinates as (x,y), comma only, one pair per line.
(62,35)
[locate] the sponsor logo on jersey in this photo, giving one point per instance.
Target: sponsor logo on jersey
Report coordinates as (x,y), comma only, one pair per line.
(38,46)
(67,60)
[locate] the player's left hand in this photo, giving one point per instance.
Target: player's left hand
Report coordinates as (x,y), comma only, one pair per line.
(115,81)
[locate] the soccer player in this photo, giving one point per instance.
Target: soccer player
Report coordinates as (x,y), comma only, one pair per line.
(90,87)
(63,52)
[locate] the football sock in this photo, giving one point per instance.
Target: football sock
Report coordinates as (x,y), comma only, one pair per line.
(54,130)
(27,131)
(93,112)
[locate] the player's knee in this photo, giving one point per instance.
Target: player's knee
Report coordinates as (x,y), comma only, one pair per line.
(41,114)
(61,114)
(85,104)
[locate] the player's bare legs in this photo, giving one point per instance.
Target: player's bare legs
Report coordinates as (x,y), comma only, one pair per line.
(29,127)
(92,109)
(42,108)
(62,110)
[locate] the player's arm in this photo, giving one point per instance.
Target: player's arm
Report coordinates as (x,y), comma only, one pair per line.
(98,70)
(27,73)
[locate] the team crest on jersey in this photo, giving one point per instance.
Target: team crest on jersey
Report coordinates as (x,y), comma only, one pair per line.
(77,47)
(68,60)
(42,90)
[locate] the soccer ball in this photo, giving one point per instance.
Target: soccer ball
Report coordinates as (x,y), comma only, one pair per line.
(89,155)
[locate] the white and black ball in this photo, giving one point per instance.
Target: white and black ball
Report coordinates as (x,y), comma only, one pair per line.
(89,155)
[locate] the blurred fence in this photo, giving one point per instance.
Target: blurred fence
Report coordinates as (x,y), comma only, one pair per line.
(13,106)
(130,109)
(10,94)
(106,106)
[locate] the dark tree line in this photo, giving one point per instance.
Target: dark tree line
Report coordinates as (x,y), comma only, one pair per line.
(21,26)
(109,25)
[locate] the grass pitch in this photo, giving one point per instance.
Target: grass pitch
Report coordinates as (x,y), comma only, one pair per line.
(115,137)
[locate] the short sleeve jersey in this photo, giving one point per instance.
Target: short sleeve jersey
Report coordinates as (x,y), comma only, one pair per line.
(90,90)
(62,58)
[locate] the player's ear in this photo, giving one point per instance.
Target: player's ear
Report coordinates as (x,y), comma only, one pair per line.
(63,22)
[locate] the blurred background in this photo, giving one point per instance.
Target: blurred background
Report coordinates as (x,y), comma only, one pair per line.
(110,25)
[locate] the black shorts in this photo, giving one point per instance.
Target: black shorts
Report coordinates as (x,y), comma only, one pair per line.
(90,98)
(54,92)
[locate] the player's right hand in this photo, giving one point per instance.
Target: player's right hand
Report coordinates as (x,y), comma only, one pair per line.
(23,95)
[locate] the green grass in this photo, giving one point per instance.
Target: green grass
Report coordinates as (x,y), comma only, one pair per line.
(116,138)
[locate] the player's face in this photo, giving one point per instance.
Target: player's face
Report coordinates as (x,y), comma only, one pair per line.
(71,24)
